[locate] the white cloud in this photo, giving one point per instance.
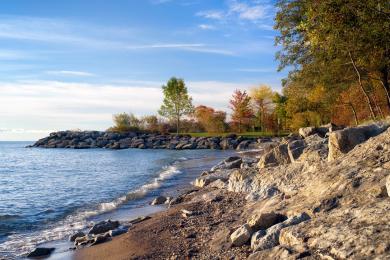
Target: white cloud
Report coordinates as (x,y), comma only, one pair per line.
(206,27)
(192,47)
(258,12)
(70,73)
(212,14)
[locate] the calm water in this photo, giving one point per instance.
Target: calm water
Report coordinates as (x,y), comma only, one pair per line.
(46,194)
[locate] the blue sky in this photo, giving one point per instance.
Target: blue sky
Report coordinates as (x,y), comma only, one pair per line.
(72,64)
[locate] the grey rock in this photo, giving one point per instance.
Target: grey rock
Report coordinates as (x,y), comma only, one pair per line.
(343,141)
(73,237)
(159,200)
(103,227)
(295,149)
(241,235)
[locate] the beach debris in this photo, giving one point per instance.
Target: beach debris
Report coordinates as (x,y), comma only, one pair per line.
(73,237)
(41,252)
(138,220)
(186,213)
(103,227)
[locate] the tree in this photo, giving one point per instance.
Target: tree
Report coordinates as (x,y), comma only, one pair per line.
(262,101)
(241,108)
(124,122)
(211,120)
(150,123)
(280,110)
(336,44)
(177,103)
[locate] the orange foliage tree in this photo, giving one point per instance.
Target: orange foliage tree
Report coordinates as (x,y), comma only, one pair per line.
(242,113)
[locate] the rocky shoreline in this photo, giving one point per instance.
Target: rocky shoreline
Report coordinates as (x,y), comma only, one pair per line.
(111,140)
(322,194)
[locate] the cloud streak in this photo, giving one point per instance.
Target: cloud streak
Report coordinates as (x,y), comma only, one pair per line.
(70,73)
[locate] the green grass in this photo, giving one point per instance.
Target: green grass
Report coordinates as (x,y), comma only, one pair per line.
(245,134)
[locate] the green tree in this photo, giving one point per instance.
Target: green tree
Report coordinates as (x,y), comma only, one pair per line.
(177,103)
(262,101)
(124,122)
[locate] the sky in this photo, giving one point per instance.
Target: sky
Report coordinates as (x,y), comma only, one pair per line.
(73,64)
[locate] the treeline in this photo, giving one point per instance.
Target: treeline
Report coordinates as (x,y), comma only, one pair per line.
(338,54)
(260,110)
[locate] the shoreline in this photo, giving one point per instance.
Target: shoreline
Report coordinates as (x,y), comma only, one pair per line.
(301,200)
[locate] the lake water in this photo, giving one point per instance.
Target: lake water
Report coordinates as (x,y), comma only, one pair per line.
(47,194)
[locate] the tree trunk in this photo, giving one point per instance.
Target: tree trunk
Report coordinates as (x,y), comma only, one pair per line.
(368,101)
(378,108)
(177,125)
(354,113)
(385,84)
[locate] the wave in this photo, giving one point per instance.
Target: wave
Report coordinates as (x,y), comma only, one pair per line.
(20,244)
(8,217)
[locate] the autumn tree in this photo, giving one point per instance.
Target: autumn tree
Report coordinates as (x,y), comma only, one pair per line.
(177,103)
(242,113)
(150,123)
(262,102)
(211,120)
(336,44)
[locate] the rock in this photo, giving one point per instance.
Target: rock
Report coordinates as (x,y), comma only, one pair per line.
(388,185)
(41,252)
(277,156)
(243,145)
(291,238)
(101,238)
(138,220)
(241,235)
(343,141)
(82,240)
(295,149)
(219,184)
(103,227)
(229,163)
(159,200)
(118,231)
(306,131)
(265,220)
(186,213)
(73,237)
(271,238)
(257,236)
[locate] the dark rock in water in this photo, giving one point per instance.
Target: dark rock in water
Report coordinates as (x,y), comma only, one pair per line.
(159,200)
(41,252)
(73,237)
(118,231)
(103,227)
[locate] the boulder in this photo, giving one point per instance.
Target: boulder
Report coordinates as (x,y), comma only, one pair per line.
(243,145)
(73,237)
(277,156)
(295,149)
(388,185)
(159,200)
(343,141)
(271,237)
(241,235)
(265,220)
(103,227)
(41,252)
(306,131)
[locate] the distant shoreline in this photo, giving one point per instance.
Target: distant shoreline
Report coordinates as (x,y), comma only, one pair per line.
(112,140)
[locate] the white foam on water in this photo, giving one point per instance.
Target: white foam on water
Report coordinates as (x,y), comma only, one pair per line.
(19,244)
